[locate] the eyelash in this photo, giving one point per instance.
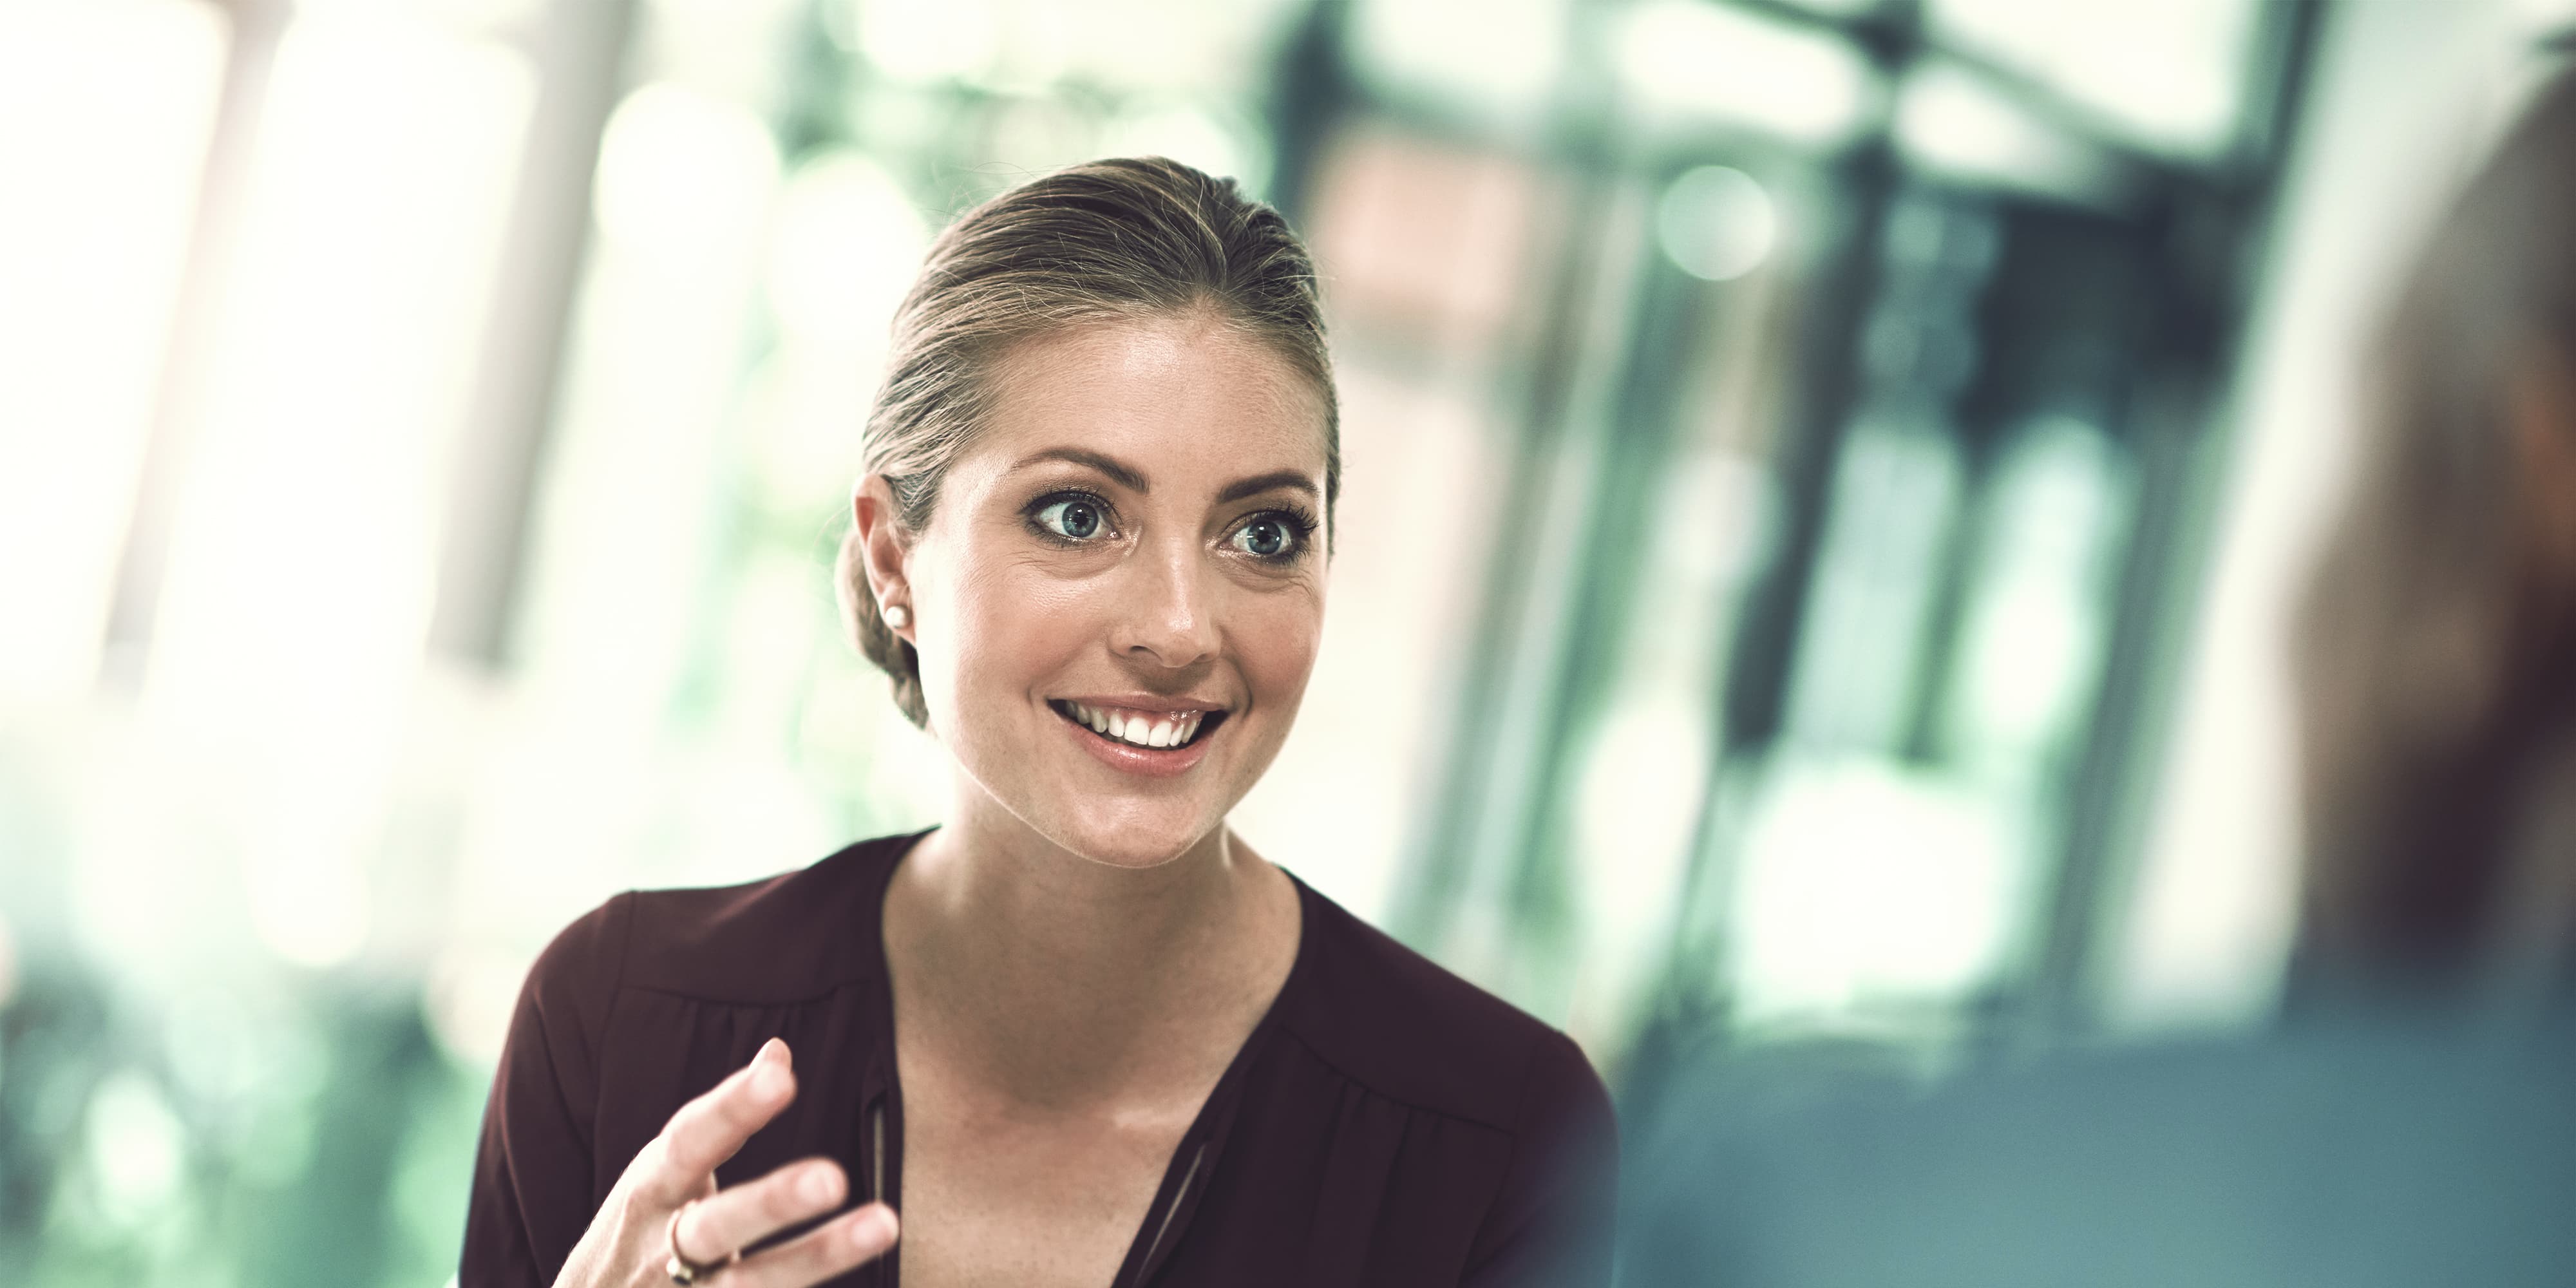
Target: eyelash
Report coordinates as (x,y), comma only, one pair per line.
(1301,525)
(1043,504)
(1300,522)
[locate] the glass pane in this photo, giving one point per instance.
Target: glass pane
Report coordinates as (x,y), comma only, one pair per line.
(2172,73)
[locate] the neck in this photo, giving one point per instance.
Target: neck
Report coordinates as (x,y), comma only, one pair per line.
(1060,982)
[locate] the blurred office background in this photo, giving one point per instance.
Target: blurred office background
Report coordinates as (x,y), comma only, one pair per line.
(1824,479)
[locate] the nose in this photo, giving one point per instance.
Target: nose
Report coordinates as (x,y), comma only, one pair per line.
(1169,616)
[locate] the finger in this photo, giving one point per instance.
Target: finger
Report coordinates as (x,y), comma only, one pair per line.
(835,1247)
(705,1132)
(713,1229)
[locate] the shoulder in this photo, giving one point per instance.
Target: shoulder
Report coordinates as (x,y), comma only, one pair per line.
(1408,1029)
(782,939)
(1401,1026)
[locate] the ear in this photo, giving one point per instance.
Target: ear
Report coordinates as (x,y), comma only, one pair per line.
(884,546)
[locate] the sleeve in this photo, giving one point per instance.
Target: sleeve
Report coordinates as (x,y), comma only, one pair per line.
(1553,1223)
(533,1175)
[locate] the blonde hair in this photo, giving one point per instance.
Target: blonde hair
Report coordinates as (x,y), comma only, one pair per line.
(1113,240)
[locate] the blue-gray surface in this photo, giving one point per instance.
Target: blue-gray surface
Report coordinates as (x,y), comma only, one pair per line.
(2351,1154)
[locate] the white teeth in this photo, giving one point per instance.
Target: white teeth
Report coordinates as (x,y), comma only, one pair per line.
(1139,729)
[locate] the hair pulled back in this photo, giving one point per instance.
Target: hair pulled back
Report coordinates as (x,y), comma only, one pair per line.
(1112,240)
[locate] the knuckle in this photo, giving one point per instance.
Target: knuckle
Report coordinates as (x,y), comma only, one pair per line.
(692,1234)
(732,1117)
(782,1198)
(634,1190)
(687,1144)
(710,1118)
(763,1271)
(830,1184)
(656,1177)
(714,1104)
(654,1161)
(814,1257)
(686,1119)
(810,1259)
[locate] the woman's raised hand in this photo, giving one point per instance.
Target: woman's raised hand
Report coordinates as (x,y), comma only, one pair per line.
(668,1196)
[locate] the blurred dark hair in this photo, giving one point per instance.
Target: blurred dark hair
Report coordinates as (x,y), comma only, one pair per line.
(1118,239)
(2436,672)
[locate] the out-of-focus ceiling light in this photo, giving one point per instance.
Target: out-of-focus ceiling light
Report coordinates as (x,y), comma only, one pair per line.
(2170,75)
(1687,62)
(1952,123)
(1500,57)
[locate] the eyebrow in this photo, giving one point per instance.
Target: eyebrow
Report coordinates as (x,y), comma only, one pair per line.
(1260,483)
(1119,472)
(1133,479)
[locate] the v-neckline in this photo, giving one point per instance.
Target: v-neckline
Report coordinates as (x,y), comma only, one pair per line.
(1194,1157)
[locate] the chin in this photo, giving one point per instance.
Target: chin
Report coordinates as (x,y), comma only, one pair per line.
(1133,834)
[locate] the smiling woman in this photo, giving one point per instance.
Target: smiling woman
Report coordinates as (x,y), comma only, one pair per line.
(1080,1034)
(1133,530)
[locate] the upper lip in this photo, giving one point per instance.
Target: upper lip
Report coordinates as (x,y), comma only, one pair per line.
(1146,702)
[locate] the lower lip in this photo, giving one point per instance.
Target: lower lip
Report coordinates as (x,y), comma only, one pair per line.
(1148,762)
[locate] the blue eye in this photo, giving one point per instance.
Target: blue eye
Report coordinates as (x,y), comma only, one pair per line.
(1268,536)
(1073,518)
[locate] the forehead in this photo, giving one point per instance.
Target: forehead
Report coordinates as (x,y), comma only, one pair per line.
(1172,393)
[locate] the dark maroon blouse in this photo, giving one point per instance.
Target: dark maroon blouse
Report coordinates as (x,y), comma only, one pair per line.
(1387,1122)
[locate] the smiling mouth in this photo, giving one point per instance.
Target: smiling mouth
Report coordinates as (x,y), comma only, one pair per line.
(1144,731)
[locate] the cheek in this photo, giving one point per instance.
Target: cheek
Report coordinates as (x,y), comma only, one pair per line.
(1276,637)
(1013,628)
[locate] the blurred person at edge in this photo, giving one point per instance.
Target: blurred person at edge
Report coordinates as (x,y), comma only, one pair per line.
(1081,1034)
(2411,1119)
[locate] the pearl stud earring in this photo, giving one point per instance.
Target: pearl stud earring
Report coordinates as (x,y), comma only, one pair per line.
(897,616)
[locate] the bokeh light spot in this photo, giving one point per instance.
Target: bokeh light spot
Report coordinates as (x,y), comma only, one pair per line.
(1717,223)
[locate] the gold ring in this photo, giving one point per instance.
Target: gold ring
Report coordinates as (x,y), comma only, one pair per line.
(681,1269)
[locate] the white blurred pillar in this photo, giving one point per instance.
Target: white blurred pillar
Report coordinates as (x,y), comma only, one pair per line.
(105,111)
(294,595)
(2405,96)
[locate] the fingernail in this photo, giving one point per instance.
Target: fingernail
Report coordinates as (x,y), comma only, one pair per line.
(874,1228)
(773,1050)
(817,1185)
(770,1082)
